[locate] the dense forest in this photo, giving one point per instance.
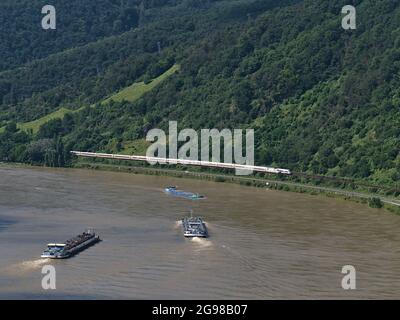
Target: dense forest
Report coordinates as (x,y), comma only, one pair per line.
(322,100)
(79,22)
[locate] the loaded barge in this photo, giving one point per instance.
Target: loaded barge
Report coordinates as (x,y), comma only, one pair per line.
(194,227)
(71,246)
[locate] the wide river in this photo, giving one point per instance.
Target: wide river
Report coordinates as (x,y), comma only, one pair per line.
(263,244)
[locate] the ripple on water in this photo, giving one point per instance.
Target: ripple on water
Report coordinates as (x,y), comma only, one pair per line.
(262,245)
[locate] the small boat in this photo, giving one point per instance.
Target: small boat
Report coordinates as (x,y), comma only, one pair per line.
(194,227)
(183,194)
(71,246)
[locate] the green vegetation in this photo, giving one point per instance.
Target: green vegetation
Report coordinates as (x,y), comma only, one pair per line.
(36,124)
(137,147)
(323,101)
(375,203)
(80,23)
(137,90)
(131,94)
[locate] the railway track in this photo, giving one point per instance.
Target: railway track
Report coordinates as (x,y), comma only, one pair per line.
(278,171)
(345,181)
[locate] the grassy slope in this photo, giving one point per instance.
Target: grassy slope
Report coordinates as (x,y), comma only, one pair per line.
(131,94)
(137,147)
(35,125)
(136,90)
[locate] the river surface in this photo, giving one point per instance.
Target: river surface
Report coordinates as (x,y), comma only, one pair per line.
(263,244)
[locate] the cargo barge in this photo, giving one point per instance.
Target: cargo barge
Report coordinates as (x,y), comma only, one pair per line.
(183,194)
(71,246)
(194,227)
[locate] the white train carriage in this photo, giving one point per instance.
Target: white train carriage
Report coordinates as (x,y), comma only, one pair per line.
(183,162)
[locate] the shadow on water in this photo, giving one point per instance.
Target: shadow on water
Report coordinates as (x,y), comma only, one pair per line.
(6,223)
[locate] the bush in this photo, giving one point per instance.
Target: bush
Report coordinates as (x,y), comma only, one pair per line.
(375,203)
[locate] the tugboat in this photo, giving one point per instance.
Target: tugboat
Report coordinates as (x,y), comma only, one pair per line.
(194,227)
(183,194)
(71,246)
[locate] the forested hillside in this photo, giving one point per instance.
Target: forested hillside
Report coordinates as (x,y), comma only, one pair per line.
(322,100)
(86,74)
(79,22)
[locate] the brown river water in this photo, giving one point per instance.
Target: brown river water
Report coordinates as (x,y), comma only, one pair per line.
(263,244)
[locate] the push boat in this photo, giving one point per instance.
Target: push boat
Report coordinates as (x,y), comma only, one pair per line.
(71,246)
(194,227)
(172,190)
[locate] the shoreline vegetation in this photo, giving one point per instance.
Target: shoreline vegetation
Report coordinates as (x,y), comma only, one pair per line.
(373,200)
(327,110)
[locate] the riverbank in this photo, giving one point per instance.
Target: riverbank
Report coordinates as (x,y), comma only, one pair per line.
(390,204)
(371,199)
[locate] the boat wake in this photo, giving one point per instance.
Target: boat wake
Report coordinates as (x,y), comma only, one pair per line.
(26,266)
(33,264)
(204,243)
(178,224)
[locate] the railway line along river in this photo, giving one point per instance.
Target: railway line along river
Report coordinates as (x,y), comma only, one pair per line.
(263,244)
